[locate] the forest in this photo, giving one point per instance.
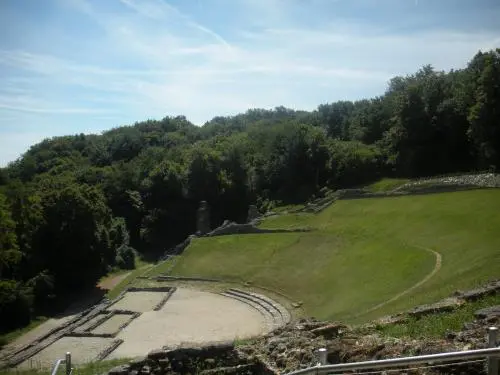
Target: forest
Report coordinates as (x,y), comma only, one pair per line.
(74,208)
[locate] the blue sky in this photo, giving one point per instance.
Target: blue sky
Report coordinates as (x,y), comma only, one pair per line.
(72,66)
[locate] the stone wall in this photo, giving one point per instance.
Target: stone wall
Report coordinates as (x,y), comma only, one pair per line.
(253,213)
(417,187)
(219,358)
(229,227)
(203,218)
(446,305)
(84,323)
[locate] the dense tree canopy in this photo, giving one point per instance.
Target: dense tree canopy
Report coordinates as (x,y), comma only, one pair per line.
(74,207)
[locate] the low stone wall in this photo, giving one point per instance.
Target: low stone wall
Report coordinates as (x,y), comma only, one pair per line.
(481,180)
(221,358)
(184,278)
(448,304)
(295,347)
(419,187)
(88,332)
(51,337)
(115,344)
(70,329)
(179,248)
(165,299)
(229,228)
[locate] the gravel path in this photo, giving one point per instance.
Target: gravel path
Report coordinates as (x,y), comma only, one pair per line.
(112,324)
(138,301)
(110,282)
(89,323)
(34,334)
(189,316)
(83,349)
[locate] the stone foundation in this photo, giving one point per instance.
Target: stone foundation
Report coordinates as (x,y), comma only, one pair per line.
(219,358)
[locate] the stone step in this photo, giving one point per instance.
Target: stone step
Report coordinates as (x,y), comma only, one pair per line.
(275,313)
(285,315)
(271,323)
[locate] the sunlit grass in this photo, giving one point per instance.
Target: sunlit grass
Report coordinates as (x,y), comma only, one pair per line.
(436,325)
(363,252)
(386,184)
(93,368)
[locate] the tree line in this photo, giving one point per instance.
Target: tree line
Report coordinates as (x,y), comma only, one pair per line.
(73,208)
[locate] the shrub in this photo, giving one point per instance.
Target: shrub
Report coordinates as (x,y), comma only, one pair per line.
(125,257)
(15,304)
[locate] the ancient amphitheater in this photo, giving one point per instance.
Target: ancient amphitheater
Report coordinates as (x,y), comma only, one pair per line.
(144,319)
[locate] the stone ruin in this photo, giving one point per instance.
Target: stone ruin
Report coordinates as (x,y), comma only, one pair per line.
(91,335)
(203,219)
(253,213)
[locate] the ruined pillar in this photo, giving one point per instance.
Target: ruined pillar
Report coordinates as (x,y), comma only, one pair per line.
(253,213)
(203,218)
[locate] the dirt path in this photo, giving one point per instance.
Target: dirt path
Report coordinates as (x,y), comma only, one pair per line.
(437,267)
(110,282)
(33,335)
(44,328)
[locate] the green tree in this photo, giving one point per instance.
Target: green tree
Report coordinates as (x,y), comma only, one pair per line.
(9,250)
(15,305)
(75,239)
(484,115)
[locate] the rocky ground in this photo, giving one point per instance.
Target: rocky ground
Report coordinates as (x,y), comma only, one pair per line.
(295,346)
(484,180)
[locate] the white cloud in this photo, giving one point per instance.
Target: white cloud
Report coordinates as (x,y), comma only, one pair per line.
(161,10)
(154,59)
(16,143)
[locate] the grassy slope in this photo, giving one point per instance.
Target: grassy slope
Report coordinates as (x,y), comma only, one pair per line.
(140,270)
(363,252)
(93,368)
(436,325)
(12,335)
(386,184)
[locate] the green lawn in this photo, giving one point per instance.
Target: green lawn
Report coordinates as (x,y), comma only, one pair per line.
(386,184)
(142,269)
(160,268)
(436,325)
(363,252)
(93,368)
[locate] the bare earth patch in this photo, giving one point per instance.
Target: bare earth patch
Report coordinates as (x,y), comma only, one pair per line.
(83,349)
(89,323)
(110,282)
(138,301)
(112,324)
(189,316)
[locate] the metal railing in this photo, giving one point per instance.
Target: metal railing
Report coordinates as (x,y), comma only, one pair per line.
(66,361)
(492,353)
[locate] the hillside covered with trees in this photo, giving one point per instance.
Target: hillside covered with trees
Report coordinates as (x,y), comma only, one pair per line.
(72,208)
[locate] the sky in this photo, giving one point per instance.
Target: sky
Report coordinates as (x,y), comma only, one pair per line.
(85,66)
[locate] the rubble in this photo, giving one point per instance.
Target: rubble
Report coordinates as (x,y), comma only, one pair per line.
(295,346)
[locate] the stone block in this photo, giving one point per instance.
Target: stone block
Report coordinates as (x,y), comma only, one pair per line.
(488,312)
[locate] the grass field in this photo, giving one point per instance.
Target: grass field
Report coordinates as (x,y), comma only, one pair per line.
(92,368)
(386,184)
(363,252)
(436,325)
(140,270)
